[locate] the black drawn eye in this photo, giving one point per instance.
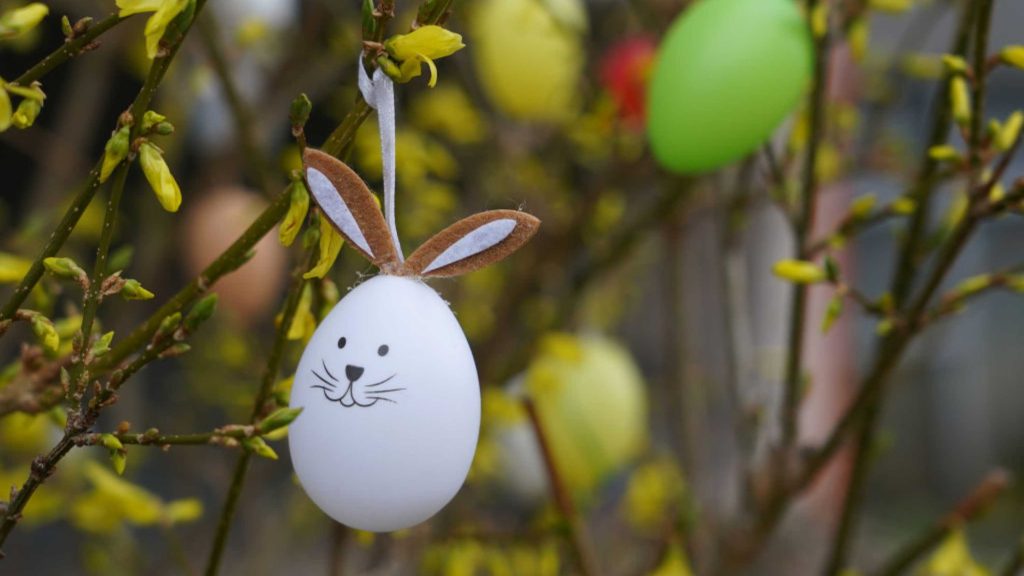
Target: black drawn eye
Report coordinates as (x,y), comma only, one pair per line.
(383,350)
(341,342)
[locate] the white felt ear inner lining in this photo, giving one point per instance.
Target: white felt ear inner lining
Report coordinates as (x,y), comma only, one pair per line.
(480,239)
(334,207)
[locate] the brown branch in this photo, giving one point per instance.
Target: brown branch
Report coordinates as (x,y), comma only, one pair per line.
(971,507)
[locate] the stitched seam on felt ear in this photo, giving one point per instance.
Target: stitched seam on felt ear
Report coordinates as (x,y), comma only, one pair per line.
(476,242)
(334,207)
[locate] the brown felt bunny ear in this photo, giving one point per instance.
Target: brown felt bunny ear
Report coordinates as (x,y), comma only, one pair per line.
(348,203)
(472,243)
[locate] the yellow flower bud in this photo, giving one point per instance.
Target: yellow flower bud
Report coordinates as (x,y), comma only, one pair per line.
(862,205)
(159,177)
(960,100)
(895,6)
(257,446)
(20,20)
(819,20)
(26,114)
(133,290)
(832,312)
(298,206)
(858,37)
(114,152)
(1009,131)
(46,332)
(1013,55)
(972,285)
(64,268)
(954,64)
(430,42)
(330,244)
(5,108)
(798,271)
(903,206)
(943,153)
(151,118)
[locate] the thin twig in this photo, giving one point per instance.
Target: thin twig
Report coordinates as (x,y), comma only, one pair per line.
(70,49)
(903,278)
(43,466)
(53,245)
(972,506)
(236,255)
(270,376)
(804,225)
(577,527)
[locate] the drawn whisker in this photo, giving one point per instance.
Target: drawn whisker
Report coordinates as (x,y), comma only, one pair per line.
(322,379)
(382,381)
(381,398)
(325,388)
(386,391)
(324,363)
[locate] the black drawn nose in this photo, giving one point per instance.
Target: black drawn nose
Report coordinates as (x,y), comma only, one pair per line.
(353,372)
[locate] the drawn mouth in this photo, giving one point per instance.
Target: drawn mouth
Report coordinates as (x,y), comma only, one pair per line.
(330,385)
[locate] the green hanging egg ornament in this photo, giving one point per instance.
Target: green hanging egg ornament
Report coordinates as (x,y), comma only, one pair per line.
(727,73)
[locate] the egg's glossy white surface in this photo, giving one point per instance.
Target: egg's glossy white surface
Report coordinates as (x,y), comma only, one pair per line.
(386,435)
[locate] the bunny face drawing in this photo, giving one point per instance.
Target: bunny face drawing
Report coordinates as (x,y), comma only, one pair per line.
(387,384)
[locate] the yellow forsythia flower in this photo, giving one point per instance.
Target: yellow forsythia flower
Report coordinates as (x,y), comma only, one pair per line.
(159,176)
(330,244)
(798,271)
(20,20)
(12,268)
(653,495)
(298,205)
(427,41)
(164,12)
(114,501)
(304,322)
(422,46)
(448,111)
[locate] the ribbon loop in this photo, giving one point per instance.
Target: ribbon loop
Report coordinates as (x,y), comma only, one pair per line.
(379,93)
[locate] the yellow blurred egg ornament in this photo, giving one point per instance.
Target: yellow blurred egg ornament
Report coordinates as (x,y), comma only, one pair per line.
(592,404)
(727,73)
(529,56)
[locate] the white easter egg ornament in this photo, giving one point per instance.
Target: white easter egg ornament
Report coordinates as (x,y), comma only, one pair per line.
(391,407)
(387,385)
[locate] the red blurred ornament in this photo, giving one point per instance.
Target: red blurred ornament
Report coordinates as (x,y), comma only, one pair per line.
(625,68)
